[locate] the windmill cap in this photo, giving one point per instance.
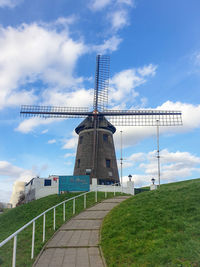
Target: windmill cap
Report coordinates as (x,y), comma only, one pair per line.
(88,123)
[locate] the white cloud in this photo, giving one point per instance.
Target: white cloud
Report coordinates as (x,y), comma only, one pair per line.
(72,142)
(45,131)
(15,172)
(195,58)
(55,97)
(175,166)
(28,125)
(123,84)
(11,174)
(132,160)
(78,98)
(68,163)
(52,141)
(108,46)
(149,70)
(9,3)
(127,2)
(133,135)
(144,102)
(185,158)
(68,155)
(137,157)
(118,19)
(198,58)
(97,5)
(7,169)
(8,175)
(117,12)
(65,21)
(190,115)
(35,52)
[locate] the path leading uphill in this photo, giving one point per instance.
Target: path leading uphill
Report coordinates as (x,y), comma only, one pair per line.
(76,243)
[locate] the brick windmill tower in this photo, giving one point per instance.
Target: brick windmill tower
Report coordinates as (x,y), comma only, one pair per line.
(95,152)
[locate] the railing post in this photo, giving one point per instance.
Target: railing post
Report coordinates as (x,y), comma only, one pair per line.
(33,241)
(96,196)
(54,219)
(14,251)
(44,222)
(74,206)
(85,201)
(105,194)
(64,211)
(114,189)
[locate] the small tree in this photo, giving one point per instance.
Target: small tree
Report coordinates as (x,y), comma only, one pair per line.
(1,207)
(21,198)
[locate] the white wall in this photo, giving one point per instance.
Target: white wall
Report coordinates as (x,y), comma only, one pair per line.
(39,190)
(128,189)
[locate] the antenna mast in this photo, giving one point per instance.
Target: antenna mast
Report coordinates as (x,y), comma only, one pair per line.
(158,152)
(121,159)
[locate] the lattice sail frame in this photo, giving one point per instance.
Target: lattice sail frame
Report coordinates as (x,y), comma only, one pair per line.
(116,117)
(53,112)
(144,117)
(101,82)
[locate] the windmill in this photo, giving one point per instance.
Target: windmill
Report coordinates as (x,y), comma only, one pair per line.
(95,151)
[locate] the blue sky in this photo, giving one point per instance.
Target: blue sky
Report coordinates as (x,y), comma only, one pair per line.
(48,51)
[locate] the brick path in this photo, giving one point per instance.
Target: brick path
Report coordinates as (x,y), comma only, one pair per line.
(76,243)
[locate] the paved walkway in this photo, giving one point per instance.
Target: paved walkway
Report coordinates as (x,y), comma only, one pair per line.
(76,243)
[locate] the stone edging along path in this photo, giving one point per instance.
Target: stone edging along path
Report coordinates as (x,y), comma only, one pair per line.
(76,243)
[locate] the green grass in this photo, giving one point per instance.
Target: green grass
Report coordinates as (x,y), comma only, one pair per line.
(13,219)
(155,228)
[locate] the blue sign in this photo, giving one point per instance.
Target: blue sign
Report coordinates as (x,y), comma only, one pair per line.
(74,183)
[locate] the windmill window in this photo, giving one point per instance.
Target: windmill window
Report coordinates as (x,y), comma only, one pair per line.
(81,140)
(107,163)
(78,163)
(105,137)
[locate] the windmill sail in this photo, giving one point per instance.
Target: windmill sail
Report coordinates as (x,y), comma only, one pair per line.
(101,82)
(54,112)
(144,117)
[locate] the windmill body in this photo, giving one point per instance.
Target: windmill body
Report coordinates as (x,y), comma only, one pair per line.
(103,164)
(95,152)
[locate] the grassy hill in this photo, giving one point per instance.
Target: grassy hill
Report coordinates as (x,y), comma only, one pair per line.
(156,228)
(13,219)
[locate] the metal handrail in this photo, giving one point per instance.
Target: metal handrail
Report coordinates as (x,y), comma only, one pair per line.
(34,219)
(14,235)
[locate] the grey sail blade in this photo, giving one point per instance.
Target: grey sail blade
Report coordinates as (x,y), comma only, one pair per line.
(54,112)
(101,82)
(144,117)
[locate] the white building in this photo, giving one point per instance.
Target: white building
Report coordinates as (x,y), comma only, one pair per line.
(41,187)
